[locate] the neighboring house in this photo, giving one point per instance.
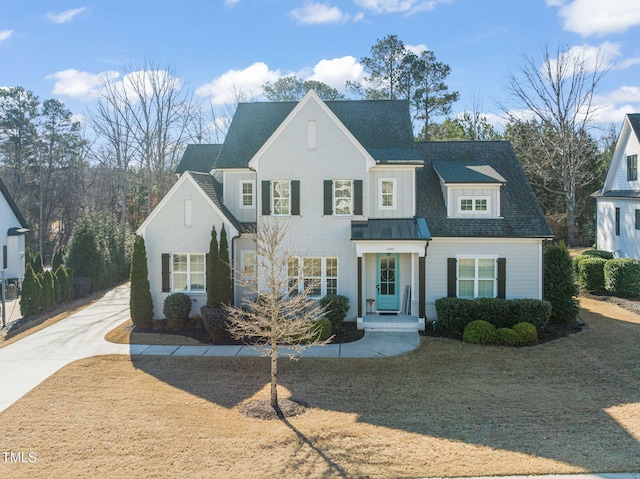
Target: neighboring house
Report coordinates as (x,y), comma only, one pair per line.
(618,202)
(390,223)
(13,228)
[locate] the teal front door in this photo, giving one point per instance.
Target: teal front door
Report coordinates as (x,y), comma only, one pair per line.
(387,296)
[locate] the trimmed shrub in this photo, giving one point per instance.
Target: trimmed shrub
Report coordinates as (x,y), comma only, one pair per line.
(324,329)
(507,337)
(479,332)
(30,296)
(177,307)
(140,302)
(598,253)
(527,333)
(225,282)
(214,320)
(455,313)
(590,272)
(560,288)
(48,290)
(336,307)
(622,277)
(65,282)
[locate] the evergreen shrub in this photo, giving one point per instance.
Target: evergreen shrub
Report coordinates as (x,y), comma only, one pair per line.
(507,337)
(324,329)
(479,332)
(336,307)
(527,333)
(560,288)
(590,272)
(31,294)
(598,253)
(622,277)
(140,302)
(177,307)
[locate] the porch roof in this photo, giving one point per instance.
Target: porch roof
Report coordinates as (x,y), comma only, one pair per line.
(390,229)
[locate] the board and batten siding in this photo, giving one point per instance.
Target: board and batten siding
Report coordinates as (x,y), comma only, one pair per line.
(166,232)
(620,177)
(627,244)
(404,194)
(523,265)
(232,197)
(493,194)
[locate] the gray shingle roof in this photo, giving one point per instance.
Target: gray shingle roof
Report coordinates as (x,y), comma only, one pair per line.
(634,120)
(522,215)
(198,158)
(382,127)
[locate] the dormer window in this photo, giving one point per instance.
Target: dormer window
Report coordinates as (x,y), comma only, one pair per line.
(470,204)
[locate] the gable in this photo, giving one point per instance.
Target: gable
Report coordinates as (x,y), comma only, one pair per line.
(14,208)
(628,143)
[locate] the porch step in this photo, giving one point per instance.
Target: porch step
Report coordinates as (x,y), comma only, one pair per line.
(399,323)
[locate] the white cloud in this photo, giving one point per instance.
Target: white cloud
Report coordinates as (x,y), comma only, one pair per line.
(399,6)
(337,72)
(5,34)
(598,17)
(223,88)
(315,13)
(77,84)
(231,3)
(65,16)
(417,49)
(604,56)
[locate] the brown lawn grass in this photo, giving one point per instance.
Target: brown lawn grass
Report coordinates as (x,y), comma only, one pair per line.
(446,409)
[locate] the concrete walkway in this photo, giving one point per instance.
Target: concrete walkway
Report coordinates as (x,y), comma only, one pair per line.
(26,363)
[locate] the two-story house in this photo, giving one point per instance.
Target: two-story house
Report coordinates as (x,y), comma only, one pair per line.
(390,223)
(618,201)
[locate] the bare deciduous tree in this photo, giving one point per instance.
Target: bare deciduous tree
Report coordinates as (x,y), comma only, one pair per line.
(274,315)
(558,89)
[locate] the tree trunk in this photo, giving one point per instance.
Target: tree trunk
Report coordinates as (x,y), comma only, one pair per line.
(274,379)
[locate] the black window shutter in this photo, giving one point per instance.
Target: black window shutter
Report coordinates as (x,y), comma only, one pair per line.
(451,277)
(295,197)
(502,277)
(4,257)
(328,197)
(357,197)
(166,283)
(266,197)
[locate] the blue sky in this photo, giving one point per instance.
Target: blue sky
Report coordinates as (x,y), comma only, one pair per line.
(58,49)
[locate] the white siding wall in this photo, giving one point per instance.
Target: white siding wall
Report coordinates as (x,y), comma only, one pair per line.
(15,244)
(231,187)
(619,181)
(627,244)
(405,195)
(334,157)
(523,264)
(166,233)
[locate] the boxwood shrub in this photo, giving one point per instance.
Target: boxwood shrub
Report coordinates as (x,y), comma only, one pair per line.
(622,277)
(177,307)
(527,333)
(455,313)
(324,329)
(479,332)
(507,337)
(598,253)
(336,308)
(590,272)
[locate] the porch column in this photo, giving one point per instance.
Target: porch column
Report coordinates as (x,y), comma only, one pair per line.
(360,286)
(421,287)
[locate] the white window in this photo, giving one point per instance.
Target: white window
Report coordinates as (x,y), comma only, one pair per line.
(387,193)
(281,197)
(477,277)
(473,204)
(188,272)
(343,197)
(247,194)
(249,263)
(317,274)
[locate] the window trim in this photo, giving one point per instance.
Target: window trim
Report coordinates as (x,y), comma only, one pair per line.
(299,277)
(188,273)
(476,278)
(243,194)
(474,210)
(288,198)
(351,199)
(394,195)
(632,167)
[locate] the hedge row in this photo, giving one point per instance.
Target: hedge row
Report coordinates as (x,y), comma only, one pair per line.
(483,332)
(455,313)
(601,272)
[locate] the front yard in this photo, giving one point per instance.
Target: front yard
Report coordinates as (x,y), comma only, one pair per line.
(447,409)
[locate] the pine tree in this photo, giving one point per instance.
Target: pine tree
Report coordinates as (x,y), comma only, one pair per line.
(225,286)
(141,304)
(31,293)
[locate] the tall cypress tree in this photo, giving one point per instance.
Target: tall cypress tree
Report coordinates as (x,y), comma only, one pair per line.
(213,270)
(225,286)
(141,304)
